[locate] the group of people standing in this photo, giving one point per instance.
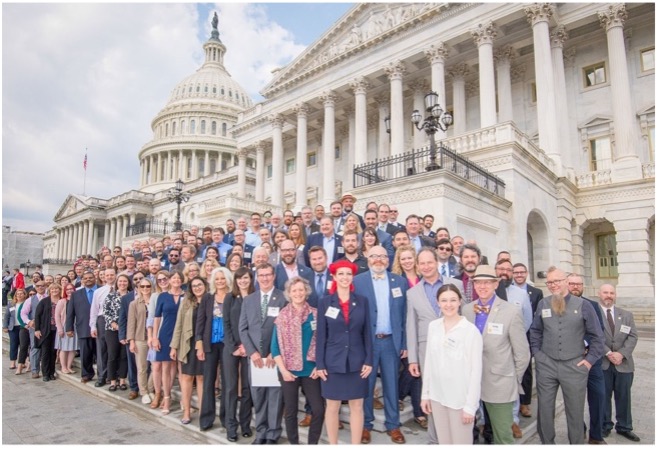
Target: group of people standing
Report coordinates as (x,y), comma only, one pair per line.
(330,313)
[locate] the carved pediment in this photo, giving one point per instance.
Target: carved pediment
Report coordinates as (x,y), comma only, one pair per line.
(362,27)
(71,205)
(595,121)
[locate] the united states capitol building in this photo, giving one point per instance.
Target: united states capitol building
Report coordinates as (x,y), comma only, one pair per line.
(550,154)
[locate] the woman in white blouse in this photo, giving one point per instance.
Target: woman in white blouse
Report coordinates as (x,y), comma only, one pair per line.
(451,385)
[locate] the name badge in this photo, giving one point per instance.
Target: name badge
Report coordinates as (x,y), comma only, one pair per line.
(328,285)
(332,312)
(624,329)
(11,309)
(246,255)
(451,343)
(273,311)
(546,313)
(396,292)
(301,247)
(313,323)
(340,250)
(495,328)
(162,263)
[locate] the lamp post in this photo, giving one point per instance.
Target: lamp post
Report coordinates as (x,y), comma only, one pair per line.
(27,268)
(177,195)
(437,119)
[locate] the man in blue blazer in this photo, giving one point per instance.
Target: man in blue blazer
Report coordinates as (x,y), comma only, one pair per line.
(386,293)
(288,268)
(385,239)
(326,239)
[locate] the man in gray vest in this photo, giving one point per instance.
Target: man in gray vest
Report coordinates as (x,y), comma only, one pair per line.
(561,325)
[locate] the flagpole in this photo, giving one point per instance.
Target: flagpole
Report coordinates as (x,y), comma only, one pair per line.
(85,175)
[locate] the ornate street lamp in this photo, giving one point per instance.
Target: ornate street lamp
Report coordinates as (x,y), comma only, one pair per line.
(177,195)
(27,268)
(437,119)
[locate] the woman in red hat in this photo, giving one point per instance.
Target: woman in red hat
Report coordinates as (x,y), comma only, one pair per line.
(344,355)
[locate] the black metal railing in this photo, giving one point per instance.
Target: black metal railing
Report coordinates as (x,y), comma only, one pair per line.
(57,262)
(419,161)
(153,226)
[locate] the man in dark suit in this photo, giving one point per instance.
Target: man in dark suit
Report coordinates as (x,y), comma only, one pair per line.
(383,220)
(77,318)
(618,365)
(45,333)
(417,240)
(385,239)
(535,295)
(386,293)
(256,330)
(309,226)
(288,268)
(239,239)
(446,262)
(326,239)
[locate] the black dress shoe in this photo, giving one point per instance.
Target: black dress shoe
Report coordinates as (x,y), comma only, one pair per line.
(52,377)
(232,438)
(259,441)
(606,433)
(46,379)
(271,441)
(100,383)
(628,434)
(247,434)
(205,428)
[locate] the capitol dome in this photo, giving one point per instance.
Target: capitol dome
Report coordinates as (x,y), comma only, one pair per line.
(190,134)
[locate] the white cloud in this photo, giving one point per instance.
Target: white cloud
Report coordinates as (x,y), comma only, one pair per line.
(93,76)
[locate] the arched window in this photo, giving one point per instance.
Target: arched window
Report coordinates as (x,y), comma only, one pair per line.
(192,127)
(224,130)
(202,127)
(206,89)
(215,90)
(200,166)
(197,88)
(167,129)
(222,91)
(190,89)
(174,128)
(213,164)
(183,126)
(214,128)
(229,93)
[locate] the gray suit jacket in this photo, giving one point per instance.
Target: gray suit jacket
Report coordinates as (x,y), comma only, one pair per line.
(622,342)
(256,333)
(506,353)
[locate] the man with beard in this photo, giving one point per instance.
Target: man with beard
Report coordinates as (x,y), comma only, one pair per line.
(276,222)
(469,258)
(347,201)
(618,365)
(596,380)
(229,236)
(217,240)
(350,243)
(336,215)
(535,295)
(288,268)
(206,238)
(427,224)
(308,223)
(371,221)
(400,238)
(288,219)
(506,291)
(561,325)
(319,212)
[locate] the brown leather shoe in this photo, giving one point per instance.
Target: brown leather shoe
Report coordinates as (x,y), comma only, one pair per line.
(592,441)
(396,436)
(35,375)
(306,421)
(378,405)
(525,411)
(132,395)
(156,401)
(366,436)
(517,433)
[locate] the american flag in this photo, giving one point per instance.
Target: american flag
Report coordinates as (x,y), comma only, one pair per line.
(85,162)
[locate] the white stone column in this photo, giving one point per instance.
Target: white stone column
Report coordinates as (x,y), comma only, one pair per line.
(124,226)
(627,165)
(207,163)
(503,58)
(349,131)
(458,74)
(69,243)
(395,71)
(159,167)
(383,102)
(91,231)
(106,233)
(180,174)
(195,167)
(84,234)
(74,246)
(242,155)
(557,39)
(328,99)
(539,16)
(277,197)
(64,248)
(218,162)
(113,233)
(131,218)
(483,37)
(301,109)
(95,240)
(420,89)
(120,228)
(260,173)
(436,55)
(57,244)
(360,86)
(141,172)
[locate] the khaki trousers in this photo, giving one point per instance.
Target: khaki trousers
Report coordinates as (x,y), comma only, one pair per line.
(449,425)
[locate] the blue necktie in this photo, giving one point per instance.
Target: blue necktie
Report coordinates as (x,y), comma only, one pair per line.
(319,285)
(90,295)
(444,270)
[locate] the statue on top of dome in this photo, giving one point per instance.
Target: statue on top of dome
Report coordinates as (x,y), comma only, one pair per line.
(214,22)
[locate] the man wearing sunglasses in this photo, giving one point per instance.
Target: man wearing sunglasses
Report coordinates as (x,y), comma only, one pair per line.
(444,250)
(174,260)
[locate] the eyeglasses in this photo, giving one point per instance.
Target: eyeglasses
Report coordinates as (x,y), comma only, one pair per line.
(40,285)
(519,273)
(116,251)
(378,257)
(444,248)
(575,284)
(557,282)
(162,280)
(145,286)
(173,255)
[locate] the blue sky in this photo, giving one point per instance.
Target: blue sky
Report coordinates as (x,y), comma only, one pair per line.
(93,76)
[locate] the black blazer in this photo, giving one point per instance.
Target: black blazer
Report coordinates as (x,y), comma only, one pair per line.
(231,314)
(339,344)
(317,240)
(77,313)
(204,324)
(535,296)
(123,313)
(42,320)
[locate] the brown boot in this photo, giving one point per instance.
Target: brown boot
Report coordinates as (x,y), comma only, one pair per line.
(157,398)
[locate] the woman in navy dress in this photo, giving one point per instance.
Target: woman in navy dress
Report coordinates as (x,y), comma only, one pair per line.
(344,350)
(164,321)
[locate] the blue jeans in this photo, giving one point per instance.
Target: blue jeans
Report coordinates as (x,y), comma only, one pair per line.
(385,357)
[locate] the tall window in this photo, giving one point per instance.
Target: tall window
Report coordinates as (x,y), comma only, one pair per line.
(167,129)
(200,166)
(269,171)
(183,126)
(224,130)
(214,128)
(213,164)
(607,255)
(311,159)
(337,153)
(192,127)
(174,128)
(203,126)
(189,168)
(648,59)
(290,165)
(594,75)
(600,153)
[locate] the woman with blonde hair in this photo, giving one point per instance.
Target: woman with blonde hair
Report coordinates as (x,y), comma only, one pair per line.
(352,222)
(136,334)
(405,264)
(18,301)
(162,285)
(297,235)
(183,348)
(190,271)
(207,268)
(67,345)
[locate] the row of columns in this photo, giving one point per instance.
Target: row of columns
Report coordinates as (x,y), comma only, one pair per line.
(83,237)
(552,106)
(176,165)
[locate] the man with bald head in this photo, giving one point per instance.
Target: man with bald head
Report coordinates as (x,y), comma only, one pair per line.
(618,367)
(561,325)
